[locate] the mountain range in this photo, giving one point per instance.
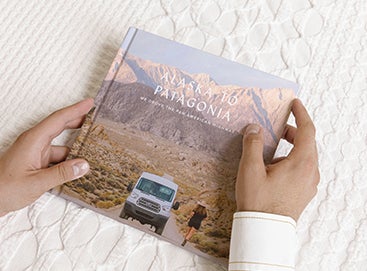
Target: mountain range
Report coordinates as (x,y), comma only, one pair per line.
(131,78)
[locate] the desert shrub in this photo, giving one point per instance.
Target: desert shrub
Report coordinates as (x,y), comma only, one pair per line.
(87,186)
(118,201)
(196,238)
(181,218)
(211,244)
(99,186)
(114,183)
(220,233)
(106,196)
(213,249)
(134,168)
(80,191)
(223,252)
(105,204)
(123,174)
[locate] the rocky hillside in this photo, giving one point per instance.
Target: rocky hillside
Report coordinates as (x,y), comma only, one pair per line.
(123,104)
(232,107)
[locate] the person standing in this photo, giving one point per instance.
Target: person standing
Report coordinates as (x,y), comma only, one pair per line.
(198,214)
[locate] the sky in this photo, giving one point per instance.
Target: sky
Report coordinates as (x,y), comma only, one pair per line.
(224,72)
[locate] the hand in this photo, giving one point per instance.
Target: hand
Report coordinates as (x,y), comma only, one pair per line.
(24,168)
(286,186)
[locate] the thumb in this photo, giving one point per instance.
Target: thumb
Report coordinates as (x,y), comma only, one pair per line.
(62,173)
(252,149)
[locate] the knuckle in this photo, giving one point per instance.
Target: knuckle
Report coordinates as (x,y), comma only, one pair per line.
(252,139)
(62,173)
(25,136)
(310,163)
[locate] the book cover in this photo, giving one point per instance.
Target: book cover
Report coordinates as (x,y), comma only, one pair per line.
(164,140)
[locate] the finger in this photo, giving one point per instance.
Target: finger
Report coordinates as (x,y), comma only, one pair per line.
(68,117)
(61,173)
(304,139)
(303,120)
(77,123)
(289,133)
(58,154)
(252,150)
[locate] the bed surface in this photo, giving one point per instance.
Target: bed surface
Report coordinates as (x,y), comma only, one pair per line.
(54,53)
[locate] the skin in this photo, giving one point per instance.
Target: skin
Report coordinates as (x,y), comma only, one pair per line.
(190,233)
(286,186)
(190,230)
(25,171)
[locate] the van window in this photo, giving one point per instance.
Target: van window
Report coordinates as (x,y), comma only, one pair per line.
(158,190)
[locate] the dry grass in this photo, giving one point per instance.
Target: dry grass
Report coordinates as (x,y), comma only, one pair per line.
(116,159)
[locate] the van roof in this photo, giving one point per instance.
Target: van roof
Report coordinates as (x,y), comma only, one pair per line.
(159,179)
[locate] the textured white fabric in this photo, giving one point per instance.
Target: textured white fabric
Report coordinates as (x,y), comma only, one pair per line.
(53,53)
(262,242)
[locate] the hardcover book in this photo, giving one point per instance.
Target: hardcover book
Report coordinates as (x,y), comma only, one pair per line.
(164,140)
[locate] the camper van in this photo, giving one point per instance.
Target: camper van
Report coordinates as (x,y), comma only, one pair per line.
(151,200)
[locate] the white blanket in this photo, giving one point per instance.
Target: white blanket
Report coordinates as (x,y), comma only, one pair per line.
(54,53)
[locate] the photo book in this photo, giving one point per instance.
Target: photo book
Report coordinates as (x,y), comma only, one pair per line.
(165,139)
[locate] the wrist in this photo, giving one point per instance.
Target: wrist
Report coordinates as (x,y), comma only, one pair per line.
(275,209)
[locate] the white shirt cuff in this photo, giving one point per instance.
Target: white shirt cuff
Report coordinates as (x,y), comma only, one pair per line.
(262,241)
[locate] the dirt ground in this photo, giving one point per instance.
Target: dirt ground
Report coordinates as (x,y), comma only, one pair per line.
(118,154)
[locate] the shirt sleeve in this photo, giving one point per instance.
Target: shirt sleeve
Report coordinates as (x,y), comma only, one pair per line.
(262,241)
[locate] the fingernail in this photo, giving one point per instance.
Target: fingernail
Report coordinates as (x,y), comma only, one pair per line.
(79,169)
(252,129)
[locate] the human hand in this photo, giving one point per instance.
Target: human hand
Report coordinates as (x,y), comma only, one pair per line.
(286,186)
(24,168)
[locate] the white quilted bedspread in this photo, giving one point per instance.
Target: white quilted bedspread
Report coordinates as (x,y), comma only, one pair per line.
(54,53)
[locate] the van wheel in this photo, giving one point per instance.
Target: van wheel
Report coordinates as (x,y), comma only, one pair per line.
(123,214)
(159,230)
